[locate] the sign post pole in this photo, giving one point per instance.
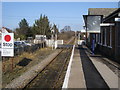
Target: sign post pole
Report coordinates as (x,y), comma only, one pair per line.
(7,47)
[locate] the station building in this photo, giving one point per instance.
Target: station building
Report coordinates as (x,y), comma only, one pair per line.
(109,43)
(102,24)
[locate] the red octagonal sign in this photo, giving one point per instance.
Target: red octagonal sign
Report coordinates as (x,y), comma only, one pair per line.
(7,38)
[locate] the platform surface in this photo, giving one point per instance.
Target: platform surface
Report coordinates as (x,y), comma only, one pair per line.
(76,79)
(89,72)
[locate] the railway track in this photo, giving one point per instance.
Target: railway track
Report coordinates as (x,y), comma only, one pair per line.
(53,74)
(47,72)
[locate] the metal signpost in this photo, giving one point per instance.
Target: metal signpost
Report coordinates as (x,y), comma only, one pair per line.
(8,46)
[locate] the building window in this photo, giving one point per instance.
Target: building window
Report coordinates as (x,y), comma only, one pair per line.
(96,38)
(101,36)
(110,36)
(105,36)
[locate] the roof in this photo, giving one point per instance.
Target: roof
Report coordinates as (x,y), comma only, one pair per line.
(101,11)
(7,30)
(114,14)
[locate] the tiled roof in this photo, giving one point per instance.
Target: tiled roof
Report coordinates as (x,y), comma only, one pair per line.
(10,31)
(101,11)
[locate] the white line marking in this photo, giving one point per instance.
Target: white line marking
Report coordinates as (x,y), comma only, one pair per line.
(65,83)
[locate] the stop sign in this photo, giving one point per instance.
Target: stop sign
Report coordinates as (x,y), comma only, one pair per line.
(7,44)
(7,38)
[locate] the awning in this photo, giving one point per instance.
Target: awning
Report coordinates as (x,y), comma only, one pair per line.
(117,19)
(94,31)
(107,24)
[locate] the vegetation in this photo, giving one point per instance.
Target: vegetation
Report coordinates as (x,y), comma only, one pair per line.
(24,30)
(66,29)
(41,26)
(66,35)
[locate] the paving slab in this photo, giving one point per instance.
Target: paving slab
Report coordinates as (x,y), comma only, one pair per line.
(76,79)
(88,72)
(108,75)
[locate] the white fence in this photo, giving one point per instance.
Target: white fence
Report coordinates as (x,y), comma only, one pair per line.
(52,43)
(49,43)
(59,42)
(37,41)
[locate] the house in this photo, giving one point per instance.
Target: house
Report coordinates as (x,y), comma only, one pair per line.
(4,30)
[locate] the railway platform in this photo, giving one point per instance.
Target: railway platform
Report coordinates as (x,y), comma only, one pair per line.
(86,71)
